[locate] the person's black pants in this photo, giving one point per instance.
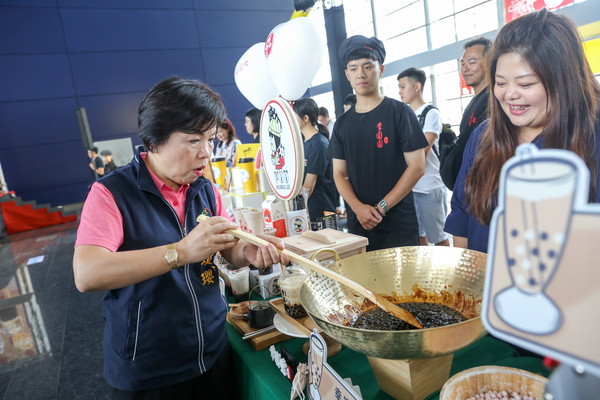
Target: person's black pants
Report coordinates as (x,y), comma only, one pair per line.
(216,383)
(386,239)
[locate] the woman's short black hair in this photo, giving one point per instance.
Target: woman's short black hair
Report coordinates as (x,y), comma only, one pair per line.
(307,106)
(178,105)
(254,115)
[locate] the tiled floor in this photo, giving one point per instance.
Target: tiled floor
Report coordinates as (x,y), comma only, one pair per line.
(50,334)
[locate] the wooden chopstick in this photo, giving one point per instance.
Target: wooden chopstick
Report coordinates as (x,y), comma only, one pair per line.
(378,299)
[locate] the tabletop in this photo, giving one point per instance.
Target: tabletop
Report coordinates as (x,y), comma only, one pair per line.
(258,378)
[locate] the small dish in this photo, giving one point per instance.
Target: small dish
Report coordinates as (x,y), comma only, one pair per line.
(287,328)
(239,310)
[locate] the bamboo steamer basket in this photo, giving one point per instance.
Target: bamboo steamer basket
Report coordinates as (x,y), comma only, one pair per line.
(490,377)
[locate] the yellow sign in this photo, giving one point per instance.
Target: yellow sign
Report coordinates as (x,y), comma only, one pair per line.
(592,52)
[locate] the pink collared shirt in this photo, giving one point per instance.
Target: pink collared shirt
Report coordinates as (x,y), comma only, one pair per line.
(101,223)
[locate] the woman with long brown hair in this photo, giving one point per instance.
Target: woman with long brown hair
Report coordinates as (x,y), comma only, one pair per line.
(544,93)
(228,142)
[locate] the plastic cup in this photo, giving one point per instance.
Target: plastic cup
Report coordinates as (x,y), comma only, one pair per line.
(290,282)
(270,231)
(239,218)
(219,169)
(254,221)
(248,174)
(240,283)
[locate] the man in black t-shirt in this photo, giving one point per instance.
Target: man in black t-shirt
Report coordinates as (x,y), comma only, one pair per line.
(109,164)
(96,164)
(378,152)
(473,72)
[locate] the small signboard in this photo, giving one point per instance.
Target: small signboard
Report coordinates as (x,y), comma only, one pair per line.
(282,148)
(323,381)
(542,287)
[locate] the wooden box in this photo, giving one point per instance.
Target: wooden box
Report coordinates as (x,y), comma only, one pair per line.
(411,379)
(346,244)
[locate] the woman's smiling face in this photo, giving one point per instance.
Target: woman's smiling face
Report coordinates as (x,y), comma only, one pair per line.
(521,95)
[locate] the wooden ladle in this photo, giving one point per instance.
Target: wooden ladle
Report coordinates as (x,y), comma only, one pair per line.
(376,298)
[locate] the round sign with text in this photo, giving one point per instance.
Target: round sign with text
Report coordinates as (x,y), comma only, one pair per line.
(282,148)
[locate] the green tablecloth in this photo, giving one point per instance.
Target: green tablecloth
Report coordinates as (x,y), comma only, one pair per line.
(259,379)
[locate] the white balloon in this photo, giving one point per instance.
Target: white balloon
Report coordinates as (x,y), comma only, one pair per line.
(252,77)
(293,51)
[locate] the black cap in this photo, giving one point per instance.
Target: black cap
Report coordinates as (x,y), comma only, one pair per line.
(360,42)
(106,153)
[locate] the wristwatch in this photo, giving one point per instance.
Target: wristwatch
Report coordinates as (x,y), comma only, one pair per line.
(171,255)
(383,205)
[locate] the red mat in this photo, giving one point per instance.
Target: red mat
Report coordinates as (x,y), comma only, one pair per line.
(24,217)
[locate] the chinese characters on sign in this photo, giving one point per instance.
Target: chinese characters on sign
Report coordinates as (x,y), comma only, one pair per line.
(516,8)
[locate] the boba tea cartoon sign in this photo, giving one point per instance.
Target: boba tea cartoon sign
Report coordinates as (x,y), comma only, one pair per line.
(323,381)
(542,288)
(282,148)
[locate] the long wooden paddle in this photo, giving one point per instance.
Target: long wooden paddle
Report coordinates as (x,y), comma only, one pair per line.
(376,298)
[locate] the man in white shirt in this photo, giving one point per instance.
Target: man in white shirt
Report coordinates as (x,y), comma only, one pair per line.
(429,192)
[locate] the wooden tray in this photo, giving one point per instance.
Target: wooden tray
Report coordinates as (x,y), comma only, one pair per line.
(258,342)
(304,324)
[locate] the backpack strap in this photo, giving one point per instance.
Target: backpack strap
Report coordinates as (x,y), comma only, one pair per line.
(424,114)
(422,123)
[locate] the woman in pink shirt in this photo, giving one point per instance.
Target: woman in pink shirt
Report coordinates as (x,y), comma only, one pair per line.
(139,241)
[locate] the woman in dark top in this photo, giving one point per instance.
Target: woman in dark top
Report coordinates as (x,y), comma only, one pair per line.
(318,171)
(252,123)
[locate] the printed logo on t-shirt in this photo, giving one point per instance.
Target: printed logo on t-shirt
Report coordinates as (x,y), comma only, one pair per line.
(472,120)
(381,140)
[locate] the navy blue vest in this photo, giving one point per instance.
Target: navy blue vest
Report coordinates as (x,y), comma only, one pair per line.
(170,328)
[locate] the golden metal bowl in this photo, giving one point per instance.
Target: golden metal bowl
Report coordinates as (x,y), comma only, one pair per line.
(445,275)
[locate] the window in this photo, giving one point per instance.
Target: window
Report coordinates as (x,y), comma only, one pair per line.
(443,32)
(461,5)
(477,20)
(359,20)
(447,89)
(400,21)
(389,86)
(407,30)
(441,10)
(326,100)
(407,44)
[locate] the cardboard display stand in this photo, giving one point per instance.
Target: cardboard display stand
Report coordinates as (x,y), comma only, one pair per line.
(542,286)
(323,381)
